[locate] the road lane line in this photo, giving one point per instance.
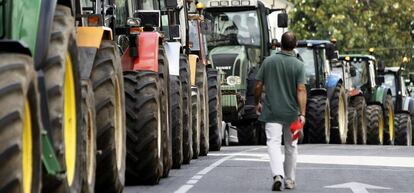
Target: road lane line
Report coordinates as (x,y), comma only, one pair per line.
(185,188)
(196,177)
(192,181)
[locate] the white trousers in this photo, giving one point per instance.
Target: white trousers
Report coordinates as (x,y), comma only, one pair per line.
(286,167)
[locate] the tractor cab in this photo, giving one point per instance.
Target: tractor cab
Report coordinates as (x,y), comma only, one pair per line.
(393,79)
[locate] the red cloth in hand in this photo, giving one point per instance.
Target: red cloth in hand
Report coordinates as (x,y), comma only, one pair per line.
(295,128)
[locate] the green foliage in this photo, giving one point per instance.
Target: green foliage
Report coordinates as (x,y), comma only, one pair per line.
(358,25)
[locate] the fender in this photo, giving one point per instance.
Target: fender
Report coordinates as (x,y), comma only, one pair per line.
(317,92)
(13,46)
(331,83)
(148,45)
(380,93)
(172,49)
(409,105)
(193,59)
(89,39)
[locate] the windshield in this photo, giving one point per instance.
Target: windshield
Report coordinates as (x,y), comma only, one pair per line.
(308,60)
(233,28)
(361,76)
(389,81)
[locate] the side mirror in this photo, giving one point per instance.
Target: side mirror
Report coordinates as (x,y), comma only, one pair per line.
(379,80)
(352,71)
(331,52)
(411,77)
(171,4)
(282,20)
(175,31)
(381,66)
(205,27)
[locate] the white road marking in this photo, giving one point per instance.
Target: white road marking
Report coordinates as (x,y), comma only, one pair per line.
(192,181)
(196,177)
(185,188)
(357,187)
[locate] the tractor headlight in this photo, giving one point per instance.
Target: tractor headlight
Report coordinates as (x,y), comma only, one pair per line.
(233,80)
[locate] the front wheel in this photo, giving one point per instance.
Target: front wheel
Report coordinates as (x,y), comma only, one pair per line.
(317,125)
(403,129)
(375,125)
(389,132)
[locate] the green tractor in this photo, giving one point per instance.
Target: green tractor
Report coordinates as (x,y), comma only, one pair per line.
(237,42)
(403,103)
(372,101)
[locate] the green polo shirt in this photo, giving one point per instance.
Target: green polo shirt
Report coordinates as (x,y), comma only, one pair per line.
(280,74)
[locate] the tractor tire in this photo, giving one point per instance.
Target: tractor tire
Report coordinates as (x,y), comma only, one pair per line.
(389,132)
(20,146)
(196,119)
(213,103)
(246,133)
(62,82)
(359,104)
(89,140)
(176,121)
(352,126)
(201,82)
(187,120)
(108,82)
(339,124)
(375,125)
(144,140)
(403,129)
(317,125)
(164,76)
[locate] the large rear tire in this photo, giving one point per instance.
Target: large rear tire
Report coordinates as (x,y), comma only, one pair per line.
(196,119)
(187,120)
(201,82)
(164,75)
(375,125)
(358,102)
(403,129)
(176,121)
(339,124)
(389,132)
(62,82)
(214,108)
(144,141)
(352,126)
(317,125)
(20,145)
(107,81)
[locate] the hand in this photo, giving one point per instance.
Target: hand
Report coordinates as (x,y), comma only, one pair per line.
(258,109)
(302,118)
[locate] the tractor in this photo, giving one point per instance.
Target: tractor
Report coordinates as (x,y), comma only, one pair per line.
(392,77)
(237,38)
(326,116)
(372,101)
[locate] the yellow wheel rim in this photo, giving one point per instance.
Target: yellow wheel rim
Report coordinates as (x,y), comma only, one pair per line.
(70,121)
(391,124)
(27,149)
(381,129)
(118,124)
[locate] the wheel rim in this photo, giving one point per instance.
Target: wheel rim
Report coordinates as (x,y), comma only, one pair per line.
(118,125)
(391,123)
(70,121)
(326,123)
(342,119)
(381,129)
(27,149)
(90,147)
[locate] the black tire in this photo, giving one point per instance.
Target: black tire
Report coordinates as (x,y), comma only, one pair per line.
(403,129)
(107,81)
(196,113)
(358,103)
(201,82)
(164,75)
(144,146)
(88,140)
(339,124)
(246,133)
(317,125)
(61,70)
(17,86)
(187,121)
(176,121)
(389,131)
(375,125)
(352,126)
(213,108)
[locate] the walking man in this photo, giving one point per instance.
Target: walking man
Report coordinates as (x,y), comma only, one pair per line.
(283,75)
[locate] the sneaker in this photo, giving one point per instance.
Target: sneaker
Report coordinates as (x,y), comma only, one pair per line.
(290,184)
(277,184)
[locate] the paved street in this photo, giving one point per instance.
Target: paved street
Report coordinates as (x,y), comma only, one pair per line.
(321,168)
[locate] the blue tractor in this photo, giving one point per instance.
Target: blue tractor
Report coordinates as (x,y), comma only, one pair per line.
(326,116)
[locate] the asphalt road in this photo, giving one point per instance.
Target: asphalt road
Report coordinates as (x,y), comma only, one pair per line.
(321,168)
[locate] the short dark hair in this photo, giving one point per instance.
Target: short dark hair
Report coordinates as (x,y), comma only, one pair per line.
(288,41)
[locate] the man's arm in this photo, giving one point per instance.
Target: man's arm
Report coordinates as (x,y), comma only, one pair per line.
(301,98)
(258,92)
